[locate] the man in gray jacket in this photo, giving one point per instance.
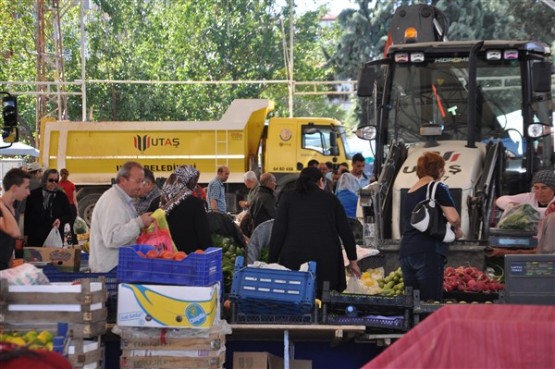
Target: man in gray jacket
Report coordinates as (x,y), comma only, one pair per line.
(115,222)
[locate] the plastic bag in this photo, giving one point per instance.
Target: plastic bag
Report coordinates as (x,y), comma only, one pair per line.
(354,286)
(24,275)
(80,226)
(159,238)
(54,238)
(522,216)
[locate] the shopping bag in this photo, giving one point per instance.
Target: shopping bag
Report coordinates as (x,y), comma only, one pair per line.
(427,217)
(522,216)
(80,226)
(160,220)
(159,238)
(54,239)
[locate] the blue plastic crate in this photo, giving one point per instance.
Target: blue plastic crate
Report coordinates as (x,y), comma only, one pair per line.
(270,291)
(60,342)
(195,270)
(372,321)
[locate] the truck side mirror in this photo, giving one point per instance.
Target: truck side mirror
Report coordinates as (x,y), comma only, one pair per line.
(366,80)
(541,76)
(333,144)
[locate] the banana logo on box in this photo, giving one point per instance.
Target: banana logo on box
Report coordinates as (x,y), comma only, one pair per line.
(171,311)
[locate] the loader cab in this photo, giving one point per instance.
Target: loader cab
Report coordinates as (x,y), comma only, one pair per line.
(446,96)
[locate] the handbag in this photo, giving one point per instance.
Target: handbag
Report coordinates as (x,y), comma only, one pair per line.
(157,237)
(427,217)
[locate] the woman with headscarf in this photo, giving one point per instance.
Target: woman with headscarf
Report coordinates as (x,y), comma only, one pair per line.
(309,225)
(185,213)
(347,193)
(542,198)
(45,208)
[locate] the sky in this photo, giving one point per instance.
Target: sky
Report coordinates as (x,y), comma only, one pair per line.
(335,6)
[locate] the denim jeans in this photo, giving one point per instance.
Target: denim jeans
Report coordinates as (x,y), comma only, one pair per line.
(424,272)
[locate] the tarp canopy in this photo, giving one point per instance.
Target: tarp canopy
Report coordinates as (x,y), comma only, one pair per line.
(17,148)
(476,337)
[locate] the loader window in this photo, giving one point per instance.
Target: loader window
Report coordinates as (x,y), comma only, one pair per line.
(317,138)
(437,92)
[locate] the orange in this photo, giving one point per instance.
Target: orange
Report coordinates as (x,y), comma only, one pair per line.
(166,255)
(180,255)
(152,254)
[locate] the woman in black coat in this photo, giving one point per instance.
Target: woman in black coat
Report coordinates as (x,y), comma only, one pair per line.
(308,226)
(46,207)
(185,213)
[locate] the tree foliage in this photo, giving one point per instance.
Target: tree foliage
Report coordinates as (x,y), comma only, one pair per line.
(181,40)
(221,40)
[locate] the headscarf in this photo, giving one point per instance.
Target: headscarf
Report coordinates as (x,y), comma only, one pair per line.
(347,181)
(547,177)
(179,186)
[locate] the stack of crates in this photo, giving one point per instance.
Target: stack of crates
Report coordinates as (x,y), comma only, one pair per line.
(268,296)
(169,310)
(376,312)
(80,305)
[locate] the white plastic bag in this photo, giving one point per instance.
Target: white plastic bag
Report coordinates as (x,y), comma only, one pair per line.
(24,275)
(54,238)
(355,286)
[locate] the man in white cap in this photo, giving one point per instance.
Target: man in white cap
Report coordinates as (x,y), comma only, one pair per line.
(35,170)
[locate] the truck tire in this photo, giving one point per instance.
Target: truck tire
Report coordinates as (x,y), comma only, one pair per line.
(86,206)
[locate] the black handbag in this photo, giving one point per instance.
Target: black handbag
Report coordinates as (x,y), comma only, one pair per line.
(427,217)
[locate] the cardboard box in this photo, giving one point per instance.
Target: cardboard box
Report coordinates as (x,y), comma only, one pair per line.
(265,360)
(67,259)
(141,305)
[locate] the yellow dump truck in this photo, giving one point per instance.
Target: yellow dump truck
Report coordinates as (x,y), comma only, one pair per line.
(243,139)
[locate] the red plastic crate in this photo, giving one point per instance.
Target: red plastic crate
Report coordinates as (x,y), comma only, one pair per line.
(195,270)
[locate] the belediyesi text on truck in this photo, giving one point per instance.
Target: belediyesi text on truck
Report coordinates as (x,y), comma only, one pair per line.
(485,106)
(243,139)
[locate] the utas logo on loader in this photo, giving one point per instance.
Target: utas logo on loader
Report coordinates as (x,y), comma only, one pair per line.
(144,142)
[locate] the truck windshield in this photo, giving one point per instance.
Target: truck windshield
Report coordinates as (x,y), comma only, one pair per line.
(436,91)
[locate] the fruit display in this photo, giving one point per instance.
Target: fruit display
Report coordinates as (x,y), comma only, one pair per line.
(469,279)
(230,250)
(166,255)
(33,339)
(393,284)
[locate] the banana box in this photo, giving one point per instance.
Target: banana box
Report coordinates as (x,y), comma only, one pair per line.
(141,305)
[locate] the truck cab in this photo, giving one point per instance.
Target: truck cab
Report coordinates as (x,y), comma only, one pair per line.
(291,143)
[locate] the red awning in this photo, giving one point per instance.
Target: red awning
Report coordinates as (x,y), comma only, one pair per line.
(476,336)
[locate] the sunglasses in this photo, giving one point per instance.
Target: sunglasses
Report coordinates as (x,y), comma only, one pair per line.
(52,180)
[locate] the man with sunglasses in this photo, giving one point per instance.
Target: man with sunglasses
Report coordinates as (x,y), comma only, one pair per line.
(46,207)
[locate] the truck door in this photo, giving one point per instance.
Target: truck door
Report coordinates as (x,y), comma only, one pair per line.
(281,146)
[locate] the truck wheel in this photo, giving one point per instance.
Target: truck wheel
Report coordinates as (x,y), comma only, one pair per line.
(86,206)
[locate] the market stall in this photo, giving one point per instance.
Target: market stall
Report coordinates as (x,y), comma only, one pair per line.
(476,336)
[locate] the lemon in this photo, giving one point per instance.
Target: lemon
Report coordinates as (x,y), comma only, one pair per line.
(45,337)
(18,341)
